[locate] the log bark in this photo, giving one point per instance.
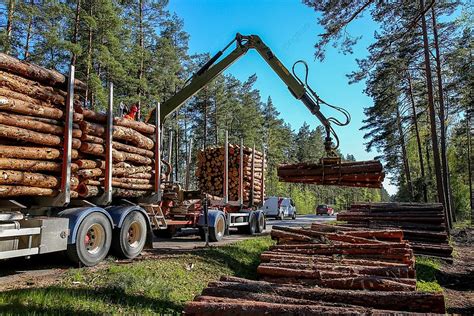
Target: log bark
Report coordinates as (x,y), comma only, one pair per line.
(99,150)
(7,93)
(135,158)
(18,106)
(28,179)
(32,89)
(15,190)
(132,180)
(94,116)
(90,173)
(90,164)
(128,134)
(133,150)
(36,73)
(33,165)
(92,139)
(33,152)
(133,186)
(92,129)
(136,125)
(397,300)
(86,191)
(117,172)
(127,193)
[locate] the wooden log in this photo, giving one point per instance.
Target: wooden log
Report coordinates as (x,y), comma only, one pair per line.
(32,89)
(36,73)
(28,179)
(132,180)
(135,158)
(94,116)
(128,172)
(90,173)
(136,125)
(17,133)
(127,193)
(91,182)
(92,139)
(128,134)
(93,129)
(33,165)
(133,150)
(90,164)
(86,191)
(133,186)
(140,175)
(99,150)
(21,107)
(5,92)
(33,152)
(396,300)
(371,283)
(238,307)
(16,190)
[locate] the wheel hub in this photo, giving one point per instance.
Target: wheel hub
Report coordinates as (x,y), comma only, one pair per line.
(95,238)
(134,234)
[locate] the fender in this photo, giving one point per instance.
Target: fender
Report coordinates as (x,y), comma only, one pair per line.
(212,216)
(76,215)
(118,214)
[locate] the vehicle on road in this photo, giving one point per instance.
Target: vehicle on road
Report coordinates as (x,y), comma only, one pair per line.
(279,207)
(324,209)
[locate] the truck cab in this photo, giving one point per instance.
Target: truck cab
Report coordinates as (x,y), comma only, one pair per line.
(279,207)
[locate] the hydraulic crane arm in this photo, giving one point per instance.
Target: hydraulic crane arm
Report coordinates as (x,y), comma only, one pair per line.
(298,89)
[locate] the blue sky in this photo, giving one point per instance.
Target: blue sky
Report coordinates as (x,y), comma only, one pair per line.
(290,29)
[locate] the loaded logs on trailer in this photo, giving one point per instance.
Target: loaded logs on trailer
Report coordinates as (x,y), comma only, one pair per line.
(325,270)
(32,114)
(333,171)
(210,173)
(132,156)
(423,224)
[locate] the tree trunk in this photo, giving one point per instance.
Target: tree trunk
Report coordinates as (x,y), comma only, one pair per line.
(141,43)
(418,139)
(32,165)
(33,152)
(89,59)
(442,119)
(406,164)
(26,52)
(431,106)
(11,12)
(76,30)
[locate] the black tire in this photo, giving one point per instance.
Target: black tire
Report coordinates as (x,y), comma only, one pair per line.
(261,223)
(217,232)
(93,240)
(253,223)
(129,240)
(281,216)
(293,217)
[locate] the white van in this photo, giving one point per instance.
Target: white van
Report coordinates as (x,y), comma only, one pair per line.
(279,207)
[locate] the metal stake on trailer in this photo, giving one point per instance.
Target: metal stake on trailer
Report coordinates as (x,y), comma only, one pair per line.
(106,197)
(226,168)
(241,174)
(252,192)
(262,182)
(188,165)
(170,152)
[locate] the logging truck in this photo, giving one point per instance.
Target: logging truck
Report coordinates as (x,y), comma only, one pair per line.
(108,213)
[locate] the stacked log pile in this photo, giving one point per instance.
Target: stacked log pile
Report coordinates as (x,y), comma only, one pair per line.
(32,115)
(210,173)
(325,270)
(423,224)
(367,174)
(132,155)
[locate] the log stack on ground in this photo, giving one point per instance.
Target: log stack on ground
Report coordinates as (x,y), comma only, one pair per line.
(32,113)
(132,155)
(367,174)
(423,224)
(210,173)
(324,270)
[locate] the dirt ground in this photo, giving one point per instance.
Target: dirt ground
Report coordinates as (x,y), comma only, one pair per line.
(457,279)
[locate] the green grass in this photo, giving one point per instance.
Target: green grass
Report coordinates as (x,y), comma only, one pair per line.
(142,287)
(426,269)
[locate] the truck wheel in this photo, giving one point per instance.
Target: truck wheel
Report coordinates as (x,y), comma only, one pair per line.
(281,216)
(216,233)
(293,216)
(93,240)
(129,240)
(253,222)
(261,223)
